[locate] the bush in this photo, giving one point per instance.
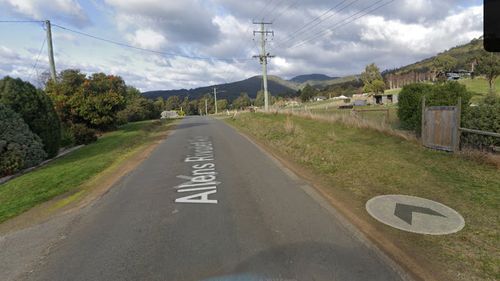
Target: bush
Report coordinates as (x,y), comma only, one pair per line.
(83,134)
(19,147)
(443,94)
(409,105)
(36,109)
(67,137)
(485,117)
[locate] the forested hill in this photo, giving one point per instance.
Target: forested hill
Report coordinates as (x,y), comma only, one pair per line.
(463,54)
(231,91)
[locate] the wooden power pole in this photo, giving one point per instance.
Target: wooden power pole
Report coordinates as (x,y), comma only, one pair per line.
(51,51)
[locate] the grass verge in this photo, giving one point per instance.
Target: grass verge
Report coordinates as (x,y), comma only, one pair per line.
(73,171)
(357,164)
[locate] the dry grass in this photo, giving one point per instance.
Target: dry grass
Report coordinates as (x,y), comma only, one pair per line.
(354,121)
(481,157)
(289,126)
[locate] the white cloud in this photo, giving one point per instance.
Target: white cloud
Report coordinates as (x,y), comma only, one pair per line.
(147,38)
(68,10)
(396,35)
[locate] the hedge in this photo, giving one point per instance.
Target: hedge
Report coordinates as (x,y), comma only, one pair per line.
(36,109)
(486,117)
(442,94)
(19,147)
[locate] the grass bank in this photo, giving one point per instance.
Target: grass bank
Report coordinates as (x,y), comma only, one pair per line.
(71,172)
(356,164)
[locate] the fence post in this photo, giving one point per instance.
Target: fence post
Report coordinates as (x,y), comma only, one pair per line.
(458,119)
(423,120)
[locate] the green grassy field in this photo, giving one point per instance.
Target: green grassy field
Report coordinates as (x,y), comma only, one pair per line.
(479,86)
(358,164)
(70,172)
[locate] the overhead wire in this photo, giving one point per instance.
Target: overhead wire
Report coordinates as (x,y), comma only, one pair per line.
(37,59)
(340,24)
(317,21)
(145,49)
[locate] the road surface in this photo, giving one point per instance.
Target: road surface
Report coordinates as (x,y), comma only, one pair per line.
(210,205)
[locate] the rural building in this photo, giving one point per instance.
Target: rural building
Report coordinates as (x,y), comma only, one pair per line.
(362,99)
(386,98)
(169,114)
(319,98)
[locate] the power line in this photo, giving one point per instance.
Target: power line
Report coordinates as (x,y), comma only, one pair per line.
(21,21)
(144,49)
(317,20)
(340,24)
(263,8)
(37,59)
(270,12)
(283,10)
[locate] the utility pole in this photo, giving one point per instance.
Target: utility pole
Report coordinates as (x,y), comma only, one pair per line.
(263,58)
(206,108)
(215,97)
(51,52)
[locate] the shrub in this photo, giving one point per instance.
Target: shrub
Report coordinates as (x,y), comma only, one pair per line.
(443,94)
(409,105)
(83,134)
(19,147)
(486,117)
(36,109)
(67,137)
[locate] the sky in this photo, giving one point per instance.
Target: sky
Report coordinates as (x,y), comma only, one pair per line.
(193,43)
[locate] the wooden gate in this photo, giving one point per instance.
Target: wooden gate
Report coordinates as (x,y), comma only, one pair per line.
(440,127)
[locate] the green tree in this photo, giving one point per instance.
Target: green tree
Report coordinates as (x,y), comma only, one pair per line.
(307,93)
(222,104)
(36,109)
(173,103)
(69,82)
(259,99)
(372,79)
(443,64)
(98,101)
(19,147)
(242,101)
(489,66)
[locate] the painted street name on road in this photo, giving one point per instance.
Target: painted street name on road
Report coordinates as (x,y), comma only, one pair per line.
(202,180)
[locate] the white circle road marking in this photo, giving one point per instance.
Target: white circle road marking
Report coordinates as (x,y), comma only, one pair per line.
(415,214)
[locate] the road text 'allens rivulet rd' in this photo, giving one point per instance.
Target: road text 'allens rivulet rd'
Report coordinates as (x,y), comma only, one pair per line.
(201,186)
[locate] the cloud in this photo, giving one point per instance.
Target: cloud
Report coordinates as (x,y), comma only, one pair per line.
(397,34)
(66,10)
(147,38)
(188,21)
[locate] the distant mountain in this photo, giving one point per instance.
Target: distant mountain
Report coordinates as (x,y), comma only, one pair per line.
(311,77)
(231,91)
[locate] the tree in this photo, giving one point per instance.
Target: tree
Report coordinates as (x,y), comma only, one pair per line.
(307,93)
(444,64)
(173,103)
(98,101)
(489,66)
(242,101)
(19,147)
(372,79)
(259,99)
(222,104)
(36,109)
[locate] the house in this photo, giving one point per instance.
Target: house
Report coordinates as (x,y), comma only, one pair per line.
(362,99)
(386,98)
(319,98)
(169,114)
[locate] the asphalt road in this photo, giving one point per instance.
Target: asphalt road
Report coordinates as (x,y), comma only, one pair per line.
(265,224)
